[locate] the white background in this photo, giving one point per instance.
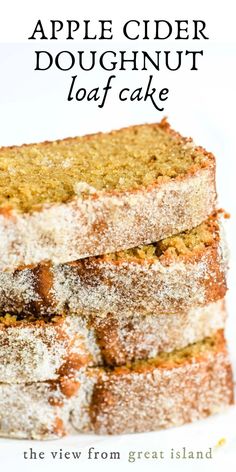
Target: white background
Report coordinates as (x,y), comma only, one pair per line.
(201,104)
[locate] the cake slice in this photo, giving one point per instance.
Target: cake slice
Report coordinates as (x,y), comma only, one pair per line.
(170,390)
(79,197)
(39,350)
(173,275)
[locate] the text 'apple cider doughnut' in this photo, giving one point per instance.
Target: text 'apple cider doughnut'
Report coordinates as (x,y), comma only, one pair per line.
(74,29)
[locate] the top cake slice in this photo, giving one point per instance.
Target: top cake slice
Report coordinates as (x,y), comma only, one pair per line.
(90,195)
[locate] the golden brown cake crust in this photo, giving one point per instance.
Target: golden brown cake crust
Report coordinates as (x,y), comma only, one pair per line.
(96,222)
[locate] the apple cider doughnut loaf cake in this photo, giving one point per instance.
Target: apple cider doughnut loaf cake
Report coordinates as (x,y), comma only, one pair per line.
(66,200)
(38,350)
(169,390)
(172,275)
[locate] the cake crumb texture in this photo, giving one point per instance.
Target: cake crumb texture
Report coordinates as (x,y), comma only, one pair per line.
(130,158)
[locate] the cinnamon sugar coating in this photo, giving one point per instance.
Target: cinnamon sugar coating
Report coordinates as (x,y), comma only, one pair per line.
(32,351)
(178,278)
(171,390)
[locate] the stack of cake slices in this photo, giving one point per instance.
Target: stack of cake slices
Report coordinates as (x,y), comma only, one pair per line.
(112,285)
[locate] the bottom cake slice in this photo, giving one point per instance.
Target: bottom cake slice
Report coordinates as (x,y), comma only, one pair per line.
(169,390)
